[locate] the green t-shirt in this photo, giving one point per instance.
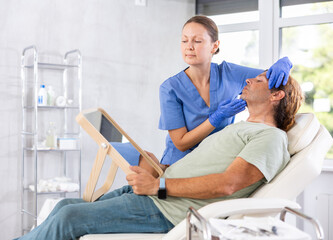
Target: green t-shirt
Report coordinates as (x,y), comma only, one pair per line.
(263,146)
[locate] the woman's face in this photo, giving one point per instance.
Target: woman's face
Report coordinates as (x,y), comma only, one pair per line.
(197,46)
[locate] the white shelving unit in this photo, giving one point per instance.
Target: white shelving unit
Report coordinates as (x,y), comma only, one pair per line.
(41,162)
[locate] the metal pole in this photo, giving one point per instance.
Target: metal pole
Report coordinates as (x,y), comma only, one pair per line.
(79,73)
(315,222)
(203,223)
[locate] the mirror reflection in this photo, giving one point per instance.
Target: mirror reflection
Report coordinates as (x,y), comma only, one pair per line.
(113,136)
(106,128)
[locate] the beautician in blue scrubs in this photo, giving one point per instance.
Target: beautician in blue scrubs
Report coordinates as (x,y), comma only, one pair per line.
(202,99)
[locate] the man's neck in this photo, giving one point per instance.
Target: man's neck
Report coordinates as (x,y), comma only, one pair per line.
(261,114)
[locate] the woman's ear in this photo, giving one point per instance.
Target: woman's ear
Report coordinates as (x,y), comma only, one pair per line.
(278,95)
(215,46)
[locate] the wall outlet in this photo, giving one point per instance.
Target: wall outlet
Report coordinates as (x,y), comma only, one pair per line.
(141,3)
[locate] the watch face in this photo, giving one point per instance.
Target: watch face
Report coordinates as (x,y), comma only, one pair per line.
(162,194)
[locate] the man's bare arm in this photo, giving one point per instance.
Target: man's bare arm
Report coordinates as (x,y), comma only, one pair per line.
(238,175)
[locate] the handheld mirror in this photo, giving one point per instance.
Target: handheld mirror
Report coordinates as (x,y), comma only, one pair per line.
(108,135)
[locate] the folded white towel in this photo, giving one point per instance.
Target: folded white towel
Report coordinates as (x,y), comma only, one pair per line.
(56,184)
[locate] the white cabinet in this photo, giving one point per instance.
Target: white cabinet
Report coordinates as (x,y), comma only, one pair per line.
(317,201)
(49,171)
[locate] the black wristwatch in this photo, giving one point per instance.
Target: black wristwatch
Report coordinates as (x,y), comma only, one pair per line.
(162,193)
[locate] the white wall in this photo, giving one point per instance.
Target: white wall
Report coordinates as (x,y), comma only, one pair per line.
(127,52)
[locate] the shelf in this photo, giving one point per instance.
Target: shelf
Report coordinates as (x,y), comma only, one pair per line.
(51,107)
(68,77)
(67,134)
(29,213)
(52,66)
(51,150)
(27,133)
(49,193)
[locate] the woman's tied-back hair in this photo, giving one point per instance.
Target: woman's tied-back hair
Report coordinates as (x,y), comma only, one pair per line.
(209,25)
(286,110)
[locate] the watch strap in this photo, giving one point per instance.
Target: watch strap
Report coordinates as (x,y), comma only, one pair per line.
(162,194)
(162,183)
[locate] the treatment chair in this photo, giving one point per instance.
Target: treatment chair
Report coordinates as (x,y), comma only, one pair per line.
(309,142)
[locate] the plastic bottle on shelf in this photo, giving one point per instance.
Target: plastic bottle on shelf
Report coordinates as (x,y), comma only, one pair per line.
(50,96)
(51,137)
(42,96)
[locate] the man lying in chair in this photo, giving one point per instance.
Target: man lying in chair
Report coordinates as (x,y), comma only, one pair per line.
(231,163)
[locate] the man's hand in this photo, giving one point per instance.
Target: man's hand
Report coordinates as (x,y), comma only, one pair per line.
(152,156)
(143,163)
(142,182)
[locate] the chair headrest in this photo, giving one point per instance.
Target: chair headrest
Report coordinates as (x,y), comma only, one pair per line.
(302,132)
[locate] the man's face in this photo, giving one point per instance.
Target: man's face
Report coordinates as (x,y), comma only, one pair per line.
(256,90)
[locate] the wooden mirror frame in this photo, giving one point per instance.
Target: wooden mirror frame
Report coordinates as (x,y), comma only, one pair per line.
(105,148)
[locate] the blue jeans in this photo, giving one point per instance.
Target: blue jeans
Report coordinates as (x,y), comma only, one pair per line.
(120,211)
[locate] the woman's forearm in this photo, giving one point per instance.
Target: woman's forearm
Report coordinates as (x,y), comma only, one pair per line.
(184,139)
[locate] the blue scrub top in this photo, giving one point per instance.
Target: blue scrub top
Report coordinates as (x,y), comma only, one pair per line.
(182,106)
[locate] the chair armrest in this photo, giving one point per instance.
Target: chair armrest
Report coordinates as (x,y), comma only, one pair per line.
(246,206)
(232,207)
(315,223)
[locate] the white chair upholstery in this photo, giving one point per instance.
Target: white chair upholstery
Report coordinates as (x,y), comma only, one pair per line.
(308,144)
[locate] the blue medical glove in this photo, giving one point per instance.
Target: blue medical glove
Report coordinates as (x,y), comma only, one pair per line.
(226,109)
(279,72)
